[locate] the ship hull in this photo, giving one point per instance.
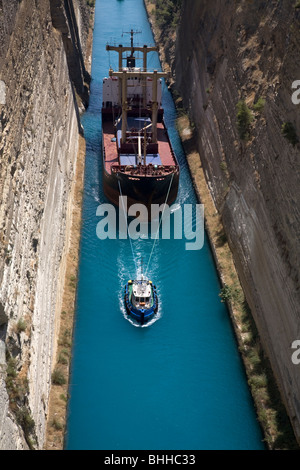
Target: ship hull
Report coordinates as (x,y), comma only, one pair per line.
(154,183)
(146,190)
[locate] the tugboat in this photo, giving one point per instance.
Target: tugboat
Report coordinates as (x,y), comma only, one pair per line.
(138,159)
(141,300)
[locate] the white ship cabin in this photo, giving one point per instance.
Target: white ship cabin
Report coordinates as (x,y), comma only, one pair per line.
(141,294)
(135,91)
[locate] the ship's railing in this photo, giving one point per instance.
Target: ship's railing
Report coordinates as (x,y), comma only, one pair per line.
(145,170)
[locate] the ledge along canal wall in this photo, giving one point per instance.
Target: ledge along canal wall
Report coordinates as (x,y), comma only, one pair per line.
(220,54)
(44,87)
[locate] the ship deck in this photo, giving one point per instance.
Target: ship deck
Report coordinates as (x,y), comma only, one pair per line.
(111,156)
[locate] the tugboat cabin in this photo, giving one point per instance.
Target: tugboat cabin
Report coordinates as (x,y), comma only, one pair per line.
(141,294)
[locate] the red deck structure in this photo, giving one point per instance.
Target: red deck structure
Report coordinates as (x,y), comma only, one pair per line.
(111,157)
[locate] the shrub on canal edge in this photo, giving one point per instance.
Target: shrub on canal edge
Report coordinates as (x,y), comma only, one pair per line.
(58,377)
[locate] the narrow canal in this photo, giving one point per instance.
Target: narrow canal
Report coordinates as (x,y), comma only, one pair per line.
(178,383)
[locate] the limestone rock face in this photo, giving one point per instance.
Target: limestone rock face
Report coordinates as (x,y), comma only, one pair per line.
(231,51)
(39,126)
(11,437)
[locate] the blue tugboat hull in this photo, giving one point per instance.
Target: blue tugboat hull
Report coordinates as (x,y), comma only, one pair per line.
(142,316)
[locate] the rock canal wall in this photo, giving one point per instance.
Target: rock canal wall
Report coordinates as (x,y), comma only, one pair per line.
(226,52)
(42,67)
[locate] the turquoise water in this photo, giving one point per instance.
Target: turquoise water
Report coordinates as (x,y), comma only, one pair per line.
(178,383)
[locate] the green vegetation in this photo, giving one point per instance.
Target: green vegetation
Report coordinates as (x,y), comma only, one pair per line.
(259,105)
(270,409)
(272,415)
(271,412)
(245,116)
(167,13)
(63,397)
(91,3)
(11,371)
(66,338)
(244,119)
(62,359)
(223,166)
(17,388)
(21,325)
(57,424)
(221,238)
(228,293)
(8,255)
(289,132)
(25,420)
(73,282)
(58,377)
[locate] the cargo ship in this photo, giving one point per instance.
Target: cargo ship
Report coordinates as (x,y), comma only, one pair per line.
(138,159)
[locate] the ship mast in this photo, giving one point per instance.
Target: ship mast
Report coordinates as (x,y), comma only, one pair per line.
(132,49)
(131,72)
(124,75)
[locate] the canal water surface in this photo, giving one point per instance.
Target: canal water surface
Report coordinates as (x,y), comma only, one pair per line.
(178,383)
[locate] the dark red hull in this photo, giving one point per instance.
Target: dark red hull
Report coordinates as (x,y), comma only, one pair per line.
(144,184)
(145,190)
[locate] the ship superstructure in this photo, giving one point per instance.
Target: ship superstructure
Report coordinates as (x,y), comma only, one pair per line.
(138,159)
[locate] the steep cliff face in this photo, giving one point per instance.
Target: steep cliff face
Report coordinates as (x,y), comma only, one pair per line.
(244,51)
(43,73)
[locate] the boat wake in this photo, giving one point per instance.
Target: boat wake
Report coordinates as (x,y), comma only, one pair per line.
(124,271)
